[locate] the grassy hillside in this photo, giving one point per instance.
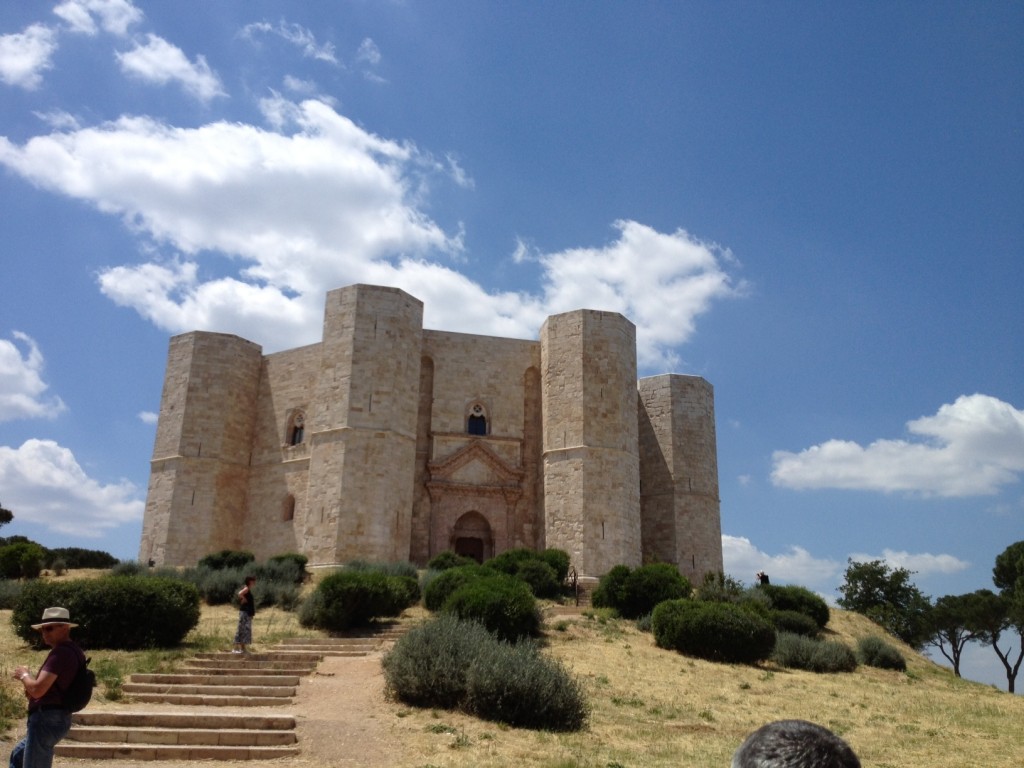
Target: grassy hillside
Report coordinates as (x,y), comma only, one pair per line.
(657,709)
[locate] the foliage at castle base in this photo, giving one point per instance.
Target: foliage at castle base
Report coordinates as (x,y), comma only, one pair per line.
(453,664)
(117,612)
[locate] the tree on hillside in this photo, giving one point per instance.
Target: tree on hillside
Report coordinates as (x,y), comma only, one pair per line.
(958,619)
(5,516)
(1008,575)
(889,598)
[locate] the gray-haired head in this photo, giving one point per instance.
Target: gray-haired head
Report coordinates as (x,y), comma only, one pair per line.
(794,744)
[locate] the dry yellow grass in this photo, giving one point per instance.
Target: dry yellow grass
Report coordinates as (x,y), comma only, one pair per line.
(658,709)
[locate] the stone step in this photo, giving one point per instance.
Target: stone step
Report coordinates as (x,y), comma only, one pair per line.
(180,752)
(210,720)
(331,642)
(250,667)
(186,736)
(227,657)
(211,679)
(347,650)
(210,669)
(192,736)
(134,689)
(206,700)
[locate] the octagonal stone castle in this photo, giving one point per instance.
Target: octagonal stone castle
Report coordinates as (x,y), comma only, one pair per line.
(387,441)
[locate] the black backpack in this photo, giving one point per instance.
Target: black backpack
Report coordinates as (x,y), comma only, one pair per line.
(79,691)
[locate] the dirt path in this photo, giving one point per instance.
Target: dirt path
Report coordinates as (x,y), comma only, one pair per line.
(342,717)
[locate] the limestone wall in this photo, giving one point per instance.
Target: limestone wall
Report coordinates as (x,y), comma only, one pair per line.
(199,473)
(364,419)
(679,501)
(590,464)
(577,455)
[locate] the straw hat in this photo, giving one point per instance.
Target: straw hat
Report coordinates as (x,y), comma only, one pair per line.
(55,616)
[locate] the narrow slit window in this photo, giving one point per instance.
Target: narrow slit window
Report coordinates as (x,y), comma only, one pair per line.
(298,431)
(476,424)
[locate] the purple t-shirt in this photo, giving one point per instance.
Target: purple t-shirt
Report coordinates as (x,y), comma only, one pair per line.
(62,661)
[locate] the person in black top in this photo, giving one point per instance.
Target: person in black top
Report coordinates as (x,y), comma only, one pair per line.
(246,610)
(49,719)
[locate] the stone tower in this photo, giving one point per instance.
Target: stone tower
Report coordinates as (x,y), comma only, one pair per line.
(363,422)
(591,468)
(679,506)
(199,474)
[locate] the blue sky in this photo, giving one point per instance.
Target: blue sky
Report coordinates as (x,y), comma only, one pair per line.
(815,206)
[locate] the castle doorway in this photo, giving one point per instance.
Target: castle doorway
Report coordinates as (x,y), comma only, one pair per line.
(472,537)
(470,547)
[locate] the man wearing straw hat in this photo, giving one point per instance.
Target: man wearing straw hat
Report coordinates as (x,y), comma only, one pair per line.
(49,719)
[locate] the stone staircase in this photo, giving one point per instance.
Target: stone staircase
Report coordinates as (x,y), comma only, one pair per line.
(210,684)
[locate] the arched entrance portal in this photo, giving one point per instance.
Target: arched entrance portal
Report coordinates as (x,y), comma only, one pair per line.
(472,537)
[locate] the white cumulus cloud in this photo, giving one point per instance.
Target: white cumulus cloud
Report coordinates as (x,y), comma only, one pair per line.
(297,35)
(316,202)
(43,484)
(972,447)
(115,16)
(158,61)
(742,559)
(22,389)
(24,56)
(923,563)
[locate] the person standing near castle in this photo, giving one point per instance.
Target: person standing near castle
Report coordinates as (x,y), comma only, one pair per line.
(246,611)
(49,719)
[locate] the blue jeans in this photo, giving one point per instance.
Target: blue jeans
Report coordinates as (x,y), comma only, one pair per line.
(45,729)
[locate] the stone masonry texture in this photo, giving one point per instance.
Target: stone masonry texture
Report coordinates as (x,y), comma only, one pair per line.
(387,441)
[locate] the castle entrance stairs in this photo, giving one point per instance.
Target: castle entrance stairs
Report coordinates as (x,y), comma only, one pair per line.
(214,707)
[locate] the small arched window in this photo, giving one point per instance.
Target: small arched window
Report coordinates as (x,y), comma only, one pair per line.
(476,424)
(298,430)
(288,508)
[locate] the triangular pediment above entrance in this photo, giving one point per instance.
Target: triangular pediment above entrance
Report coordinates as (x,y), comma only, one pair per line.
(475,464)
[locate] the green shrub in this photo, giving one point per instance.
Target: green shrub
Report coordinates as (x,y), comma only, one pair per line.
(635,593)
(448,559)
(76,557)
(10,591)
(449,663)
(438,589)
(559,560)
(510,560)
(128,568)
(518,686)
(714,631)
(219,586)
(799,652)
(610,591)
(502,603)
(427,666)
(794,622)
(720,588)
(651,584)
(396,568)
(799,599)
(58,566)
(22,560)
(295,562)
(227,558)
(349,599)
(875,652)
(119,612)
(540,578)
